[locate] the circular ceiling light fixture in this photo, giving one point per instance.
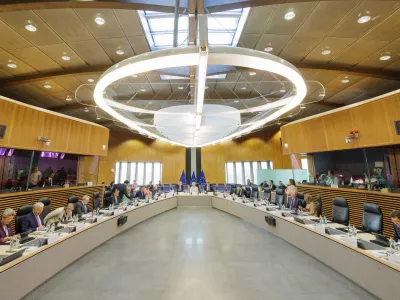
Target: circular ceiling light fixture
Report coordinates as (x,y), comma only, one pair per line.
(11,64)
(385,56)
(302,106)
(362,19)
(120,52)
(180,87)
(206,87)
(326,51)
(90,80)
(268,49)
(65,57)
(290,15)
(69,98)
(177,123)
(236,101)
(100,21)
(142,90)
(252,73)
(30,26)
(134,75)
(86,110)
(47,86)
(282,90)
(345,80)
(98,118)
(243,88)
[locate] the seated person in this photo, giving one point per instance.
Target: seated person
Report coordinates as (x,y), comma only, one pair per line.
(194,189)
(208,187)
(272,185)
(179,187)
(151,187)
(59,214)
(33,221)
(239,191)
(128,195)
(141,193)
(113,199)
(6,231)
(293,202)
(264,184)
(281,185)
(81,208)
(395,216)
(310,208)
(331,179)
(155,191)
(147,191)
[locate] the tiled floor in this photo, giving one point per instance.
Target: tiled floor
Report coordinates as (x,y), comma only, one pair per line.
(197,253)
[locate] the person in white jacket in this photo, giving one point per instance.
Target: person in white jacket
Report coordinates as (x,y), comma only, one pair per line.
(194,189)
(59,214)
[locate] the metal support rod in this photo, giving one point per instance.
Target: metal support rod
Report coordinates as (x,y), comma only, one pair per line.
(176,23)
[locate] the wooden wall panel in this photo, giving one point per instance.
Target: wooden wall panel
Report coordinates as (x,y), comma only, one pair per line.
(373,118)
(25,123)
(262,145)
(131,147)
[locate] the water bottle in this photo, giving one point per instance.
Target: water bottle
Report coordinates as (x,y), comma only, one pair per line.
(321,221)
(325,221)
(354,231)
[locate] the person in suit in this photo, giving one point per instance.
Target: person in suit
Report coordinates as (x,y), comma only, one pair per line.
(81,208)
(141,194)
(264,184)
(59,214)
(249,182)
(208,187)
(293,202)
(272,186)
(113,199)
(51,180)
(395,216)
(34,220)
(6,231)
(179,187)
(240,191)
(151,187)
(122,189)
(281,185)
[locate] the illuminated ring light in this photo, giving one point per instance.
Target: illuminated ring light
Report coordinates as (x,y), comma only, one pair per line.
(190,56)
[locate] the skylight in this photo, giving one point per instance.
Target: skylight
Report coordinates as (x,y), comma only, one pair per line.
(224,28)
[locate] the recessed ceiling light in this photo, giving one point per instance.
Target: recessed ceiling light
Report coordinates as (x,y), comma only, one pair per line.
(150,102)
(98,118)
(290,115)
(47,86)
(180,87)
(364,19)
(302,106)
(282,90)
(99,21)
(30,27)
(11,64)
(279,123)
(252,73)
(86,110)
(345,80)
(142,90)
(65,57)
(134,75)
(385,57)
(236,101)
(326,52)
(268,49)
(69,98)
(120,52)
(206,87)
(290,15)
(90,80)
(243,88)
(322,95)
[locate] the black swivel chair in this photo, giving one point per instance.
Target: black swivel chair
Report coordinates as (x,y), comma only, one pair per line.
(107,195)
(300,198)
(372,218)
(254,191)
(96,200)
(247,190)
(319,205)
(280,197)
(267,193)
(21,212)
(233,188)
(46,208)
(73,199)
(340,211)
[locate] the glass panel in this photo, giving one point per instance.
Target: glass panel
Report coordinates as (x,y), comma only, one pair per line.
(247,171)
(140,173)
(264,165)
(133,172)
(163,40)
(230,175)
(161,24)
(255,167)
(222,24)
(14,168)
(64,168)
(239,173)
(157,173)
(218,38)
(304,164)
(271,165)
(124,171)
(116,179)
(149,173)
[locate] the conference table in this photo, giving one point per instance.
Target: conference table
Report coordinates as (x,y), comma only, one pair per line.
(373,270)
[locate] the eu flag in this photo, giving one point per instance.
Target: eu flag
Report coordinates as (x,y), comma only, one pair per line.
(183,177)
(193,179)
(202,178)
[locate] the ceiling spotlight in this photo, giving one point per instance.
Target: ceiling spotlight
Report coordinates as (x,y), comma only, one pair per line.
(142,90)
(120,52)
(11,64)
(86,110)
(65,57)
(282,90)
(236,101)
(345,80)
(322,95)
(180,87)
(386,56)
(30,26)
(302,106)
(47,86)
(206,87)
(279,123)
(364,19)
(290,15)
(243,88)
(252,73)
(90,80)
(326,52)
(98,118)
(268,49)
(99,21)
(69,98)
(290,115)
(150,102)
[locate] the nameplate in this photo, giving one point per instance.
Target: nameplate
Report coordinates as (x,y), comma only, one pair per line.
(350,240)
(52,238)
(99,218)
(320,228)
(80,226)
(394,259)
(334,186)
(90,183)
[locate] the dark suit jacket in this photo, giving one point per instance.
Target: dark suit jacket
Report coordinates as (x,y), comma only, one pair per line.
(29,222)
(283,187)
(396,232)
(111,200)
(179,189)
(79,210)
(273,187)
(3,233)
(240,193)
(122,190)
(295,203)
(140,195)
(208,188)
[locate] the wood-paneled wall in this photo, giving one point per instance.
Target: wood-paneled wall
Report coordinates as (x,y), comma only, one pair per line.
(356,199)
(373,118)
(260,146)
(132,147)
(25,123)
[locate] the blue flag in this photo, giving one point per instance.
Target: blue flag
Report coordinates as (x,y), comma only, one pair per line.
(202,179)
(183,177)
(193,179)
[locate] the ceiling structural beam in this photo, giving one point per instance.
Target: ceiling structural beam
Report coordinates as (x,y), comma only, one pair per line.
(192,34)
(176,23)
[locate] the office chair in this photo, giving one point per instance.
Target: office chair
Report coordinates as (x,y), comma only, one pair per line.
(372,220)
(228,187)
(300,198)
(73,199)
(340,211)
(247,190)
(96,200)
(254,191)
(233,189)
(21,212)
(279,198)
(46,208)
(221,187)
(267,193)
(319,205)
(107,194)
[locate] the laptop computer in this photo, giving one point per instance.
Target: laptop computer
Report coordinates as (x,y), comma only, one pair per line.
(5,259)
(380,240)
(333,231)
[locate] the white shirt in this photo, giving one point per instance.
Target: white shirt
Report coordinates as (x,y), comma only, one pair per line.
(5,229)
(35,177)
(194,189)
